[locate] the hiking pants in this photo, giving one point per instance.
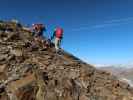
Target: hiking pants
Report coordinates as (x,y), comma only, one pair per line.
(57,43)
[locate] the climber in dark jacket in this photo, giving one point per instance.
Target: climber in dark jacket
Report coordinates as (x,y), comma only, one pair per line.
(37,32)
(38,29)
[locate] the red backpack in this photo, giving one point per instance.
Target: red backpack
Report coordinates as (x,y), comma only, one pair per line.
(59,32)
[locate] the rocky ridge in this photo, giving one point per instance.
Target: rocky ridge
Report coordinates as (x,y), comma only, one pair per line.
(28,72)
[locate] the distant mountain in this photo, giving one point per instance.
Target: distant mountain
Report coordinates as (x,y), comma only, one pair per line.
(127,65)
(124,72)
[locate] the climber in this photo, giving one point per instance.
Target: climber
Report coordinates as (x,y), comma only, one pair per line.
(37,32)
(38,29)
(57,35)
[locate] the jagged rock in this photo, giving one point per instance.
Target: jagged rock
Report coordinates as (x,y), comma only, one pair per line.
(83,97)
(16,85)
(16,52)
(3,57)
(2,68)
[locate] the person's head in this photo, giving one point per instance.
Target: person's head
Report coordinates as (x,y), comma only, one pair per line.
(39,26)
(58,27)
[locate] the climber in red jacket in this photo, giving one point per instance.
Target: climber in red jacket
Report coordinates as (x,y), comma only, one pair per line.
(58,35)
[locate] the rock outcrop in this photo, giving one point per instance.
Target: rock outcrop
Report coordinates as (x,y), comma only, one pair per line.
(29,72)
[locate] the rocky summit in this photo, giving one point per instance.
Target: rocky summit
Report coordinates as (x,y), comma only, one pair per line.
(30,72)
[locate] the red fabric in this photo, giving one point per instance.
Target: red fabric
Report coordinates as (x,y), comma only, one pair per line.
(59,32)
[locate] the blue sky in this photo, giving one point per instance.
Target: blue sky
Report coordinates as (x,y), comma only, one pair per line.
(97,31)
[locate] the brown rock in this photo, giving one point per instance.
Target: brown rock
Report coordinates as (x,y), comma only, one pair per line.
(17,52)
(83,97)
(2,68)
(15,85)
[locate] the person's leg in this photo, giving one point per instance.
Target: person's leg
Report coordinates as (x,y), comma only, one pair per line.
(56,44)
(33,33)
(59,43)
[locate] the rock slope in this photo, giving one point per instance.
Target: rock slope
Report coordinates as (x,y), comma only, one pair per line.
(29,72)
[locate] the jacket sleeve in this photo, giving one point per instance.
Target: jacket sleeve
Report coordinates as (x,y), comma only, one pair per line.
(52,37)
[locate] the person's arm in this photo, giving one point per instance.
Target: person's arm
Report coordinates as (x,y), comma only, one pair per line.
(32,30)
(52,37)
